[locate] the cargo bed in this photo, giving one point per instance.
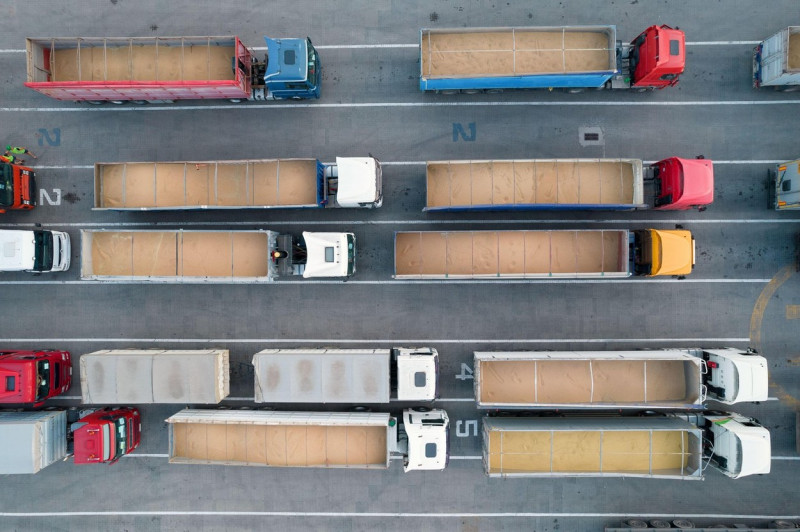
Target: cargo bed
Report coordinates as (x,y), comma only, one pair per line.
(511,254)
(530,184)
(177,255)
(280,439)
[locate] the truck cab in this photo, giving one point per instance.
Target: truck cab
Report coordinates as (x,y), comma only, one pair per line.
(106,434)
(329,254)
(683,184)
(786,185)
(417,373)
(17,187)
(291,70)
(428,442)
(355,182)
(31,377)
(734,376)
(737,445)
(658,252)
(34,251)
(657,57)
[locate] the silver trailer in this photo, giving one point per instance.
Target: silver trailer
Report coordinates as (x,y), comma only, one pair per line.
(776,61)
(31,441)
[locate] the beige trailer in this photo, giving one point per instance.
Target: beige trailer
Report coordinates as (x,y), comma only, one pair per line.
(589,379)
(177,255)
(495,52)
(655,447)
(206,184)
(511,254)
(534,184)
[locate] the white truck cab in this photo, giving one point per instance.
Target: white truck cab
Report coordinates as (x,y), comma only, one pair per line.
(427,440)
(735,376)
(417,373)
(359,181)
(34,251)
(329,254)
(741,446)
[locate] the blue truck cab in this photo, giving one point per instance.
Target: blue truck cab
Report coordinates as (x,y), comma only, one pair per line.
(292,70)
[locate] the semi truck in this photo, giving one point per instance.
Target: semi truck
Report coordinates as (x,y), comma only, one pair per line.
(571,57)
(346,375)
(178,256)
(32,377)
(520,254)
(247,184)
(784,183)
(776,61)
(569,184)
(675,446)
(17,187)
(34,440)
(646,379)
(166,69)
(145,376)
(362,440)
(36,251)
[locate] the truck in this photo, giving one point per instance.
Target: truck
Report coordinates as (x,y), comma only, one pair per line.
(35,251)
(31,377)
(472,60)
(675,446)
(361,440)
(557,254)
(181,256)
(784,184)
(17,187)
(166,69)
(776,61)
(246,184)
(146,376)
(568,184)
(346,375)
(33,440)
(645,379)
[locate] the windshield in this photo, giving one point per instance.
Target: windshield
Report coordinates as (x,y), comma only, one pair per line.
(313,65)
(43,258)
(42,379)
(6,185)
(351,254)
(122,437)
(106,442)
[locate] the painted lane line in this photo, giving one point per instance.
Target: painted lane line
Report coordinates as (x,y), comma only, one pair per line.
(252,399)
(339,341)
(384,105)
(466,457)
(399,282)
(423,515)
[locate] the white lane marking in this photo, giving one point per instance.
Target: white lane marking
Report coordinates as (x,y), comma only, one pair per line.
(252,399)
(466,457)
(338,341)
(145,455)
(383,105)
(423,515)
(791,458)
(397,282)
(722,43)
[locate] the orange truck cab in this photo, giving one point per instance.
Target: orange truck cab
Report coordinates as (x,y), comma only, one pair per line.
(657,57)
(31,377)
(17,187)
(106,434)
(683,184)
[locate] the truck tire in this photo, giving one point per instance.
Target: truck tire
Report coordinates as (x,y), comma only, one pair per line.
(421,409)
(635,523)
(683,523)
(782,525)
(95,102)
(117,102)
(659,523)
(139,102)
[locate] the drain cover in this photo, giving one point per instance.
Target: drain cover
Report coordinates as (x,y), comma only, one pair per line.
(590,136)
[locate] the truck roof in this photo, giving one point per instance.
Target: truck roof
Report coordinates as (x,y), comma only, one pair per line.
(698,183)
(17,250)
(677,252)
(327,254)
(358,180)
(752,378)
(322,375)
(287,59)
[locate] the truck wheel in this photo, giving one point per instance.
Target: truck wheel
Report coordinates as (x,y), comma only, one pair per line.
(574,90)
(782,525)
(139,102)
(235,100)
(95,102)
(471,91)
(117,102)
(421,409)
(635,523)
(448,92)
(494,91)
(683,523)
(659,523)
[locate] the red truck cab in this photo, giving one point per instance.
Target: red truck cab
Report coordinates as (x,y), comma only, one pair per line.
(33,376)
(684,184)
(106,434)
(658,57)
(17,187)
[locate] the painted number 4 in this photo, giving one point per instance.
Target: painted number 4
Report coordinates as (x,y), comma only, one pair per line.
(466,373)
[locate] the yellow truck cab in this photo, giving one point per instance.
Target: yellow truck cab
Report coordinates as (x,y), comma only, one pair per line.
(664,252)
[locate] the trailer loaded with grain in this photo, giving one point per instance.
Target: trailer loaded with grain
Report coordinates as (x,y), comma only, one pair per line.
(776,61)
(246,184)
(568,184)
(361,440)
(213,256)
(572,57)
(165,69)
(660,378)
(520,254)
(674,446)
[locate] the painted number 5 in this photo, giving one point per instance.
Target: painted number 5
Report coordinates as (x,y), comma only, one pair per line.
(464,428)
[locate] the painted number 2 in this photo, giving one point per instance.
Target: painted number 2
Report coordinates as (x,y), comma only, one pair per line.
(466,373)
